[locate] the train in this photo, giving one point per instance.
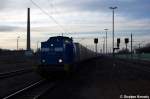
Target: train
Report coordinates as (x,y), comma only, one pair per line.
(59,54)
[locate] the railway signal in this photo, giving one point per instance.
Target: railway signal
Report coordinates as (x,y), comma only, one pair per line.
(96,41)
(126,42)
(118,42)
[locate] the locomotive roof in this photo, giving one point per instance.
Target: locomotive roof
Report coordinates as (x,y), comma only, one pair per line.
(59,37)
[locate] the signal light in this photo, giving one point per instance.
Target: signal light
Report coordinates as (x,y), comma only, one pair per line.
(126,40)
(118,40)
(60,60)
(96,40)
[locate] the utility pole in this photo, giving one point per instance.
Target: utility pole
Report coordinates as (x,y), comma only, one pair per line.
(113,8)
(131,46)
(17,41)
(139,45)
(104,46)
(96,49)
(106,39)
(37,45)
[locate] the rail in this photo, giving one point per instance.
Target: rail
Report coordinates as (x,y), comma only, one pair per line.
(14,73)
(23,90)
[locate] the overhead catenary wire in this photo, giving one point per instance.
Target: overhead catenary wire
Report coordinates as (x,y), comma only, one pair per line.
(51,17)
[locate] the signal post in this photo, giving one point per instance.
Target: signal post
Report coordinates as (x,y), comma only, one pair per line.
(95,42)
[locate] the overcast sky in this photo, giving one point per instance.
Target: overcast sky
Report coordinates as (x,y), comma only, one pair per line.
(76,18)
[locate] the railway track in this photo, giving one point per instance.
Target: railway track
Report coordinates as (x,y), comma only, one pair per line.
(131,78)
(19,92)
(141,67)
(115,76)
(136,61)
(14,73)
(33,91)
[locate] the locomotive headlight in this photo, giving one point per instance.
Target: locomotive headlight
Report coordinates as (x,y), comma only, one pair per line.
(60,60)
(43,61)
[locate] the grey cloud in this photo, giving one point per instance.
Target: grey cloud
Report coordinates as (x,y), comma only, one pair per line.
(8,28)
(2,4)
(126,8)
(14,4)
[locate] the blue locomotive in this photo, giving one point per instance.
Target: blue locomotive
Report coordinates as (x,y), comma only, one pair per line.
(60,54)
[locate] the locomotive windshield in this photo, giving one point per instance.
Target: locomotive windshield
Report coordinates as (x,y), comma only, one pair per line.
(58,49)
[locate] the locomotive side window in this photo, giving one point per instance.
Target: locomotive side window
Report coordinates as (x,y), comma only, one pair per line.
(58,49)
(45,49)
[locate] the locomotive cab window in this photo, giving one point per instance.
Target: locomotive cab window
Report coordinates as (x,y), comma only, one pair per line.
(58,49)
